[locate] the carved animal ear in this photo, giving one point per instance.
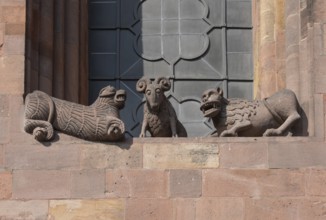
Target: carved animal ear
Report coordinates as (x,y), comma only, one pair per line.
(107,91)
(142,84)
(219,91)
(164,82)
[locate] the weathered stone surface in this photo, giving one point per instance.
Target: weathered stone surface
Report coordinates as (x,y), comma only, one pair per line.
(13,14)
(137,183)
(5,185)
(273,208)
(11,73)
(315,182)
(27,210)
(149,209)
(319,128)
(244,155)
(4,134)
(181,156)
(220,208)
(185,183)
(2,152)
(4,105)
(38,157)
(99,156)
(48,184)
(254,183)
(14,45)
(296,154)
(86,209)
(15,29)
(184,209)
(313,208)
(12,3)
(88,184)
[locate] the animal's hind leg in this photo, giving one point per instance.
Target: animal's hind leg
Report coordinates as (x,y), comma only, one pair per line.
(42,130)
(289,122)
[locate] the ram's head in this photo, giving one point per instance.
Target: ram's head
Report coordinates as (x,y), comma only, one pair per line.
(154,91)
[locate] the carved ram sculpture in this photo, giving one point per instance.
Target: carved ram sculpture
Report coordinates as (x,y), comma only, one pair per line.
(97,122)
(160,118)
(273,116)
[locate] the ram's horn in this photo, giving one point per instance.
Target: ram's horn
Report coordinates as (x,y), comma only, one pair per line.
(142,84)
(164,82)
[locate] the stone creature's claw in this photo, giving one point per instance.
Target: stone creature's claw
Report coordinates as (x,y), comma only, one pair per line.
(228,133)
(272,132)
(142,135)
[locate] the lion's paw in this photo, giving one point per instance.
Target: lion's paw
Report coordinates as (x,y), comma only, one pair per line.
(228,133)
(272,132)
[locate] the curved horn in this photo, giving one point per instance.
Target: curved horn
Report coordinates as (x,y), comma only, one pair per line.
(164,82)
(142,84)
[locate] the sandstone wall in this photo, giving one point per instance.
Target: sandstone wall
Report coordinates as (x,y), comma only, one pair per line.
(174,179)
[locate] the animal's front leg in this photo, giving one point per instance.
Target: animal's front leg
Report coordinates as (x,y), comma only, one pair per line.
(173,124)
(143,128)
(233,132)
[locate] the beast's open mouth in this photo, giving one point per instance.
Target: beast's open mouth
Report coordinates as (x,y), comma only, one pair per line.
(121,98)
(210,109)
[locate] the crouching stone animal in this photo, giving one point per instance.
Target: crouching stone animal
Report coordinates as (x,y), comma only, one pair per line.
(97,122)
(273,116)
(160,118)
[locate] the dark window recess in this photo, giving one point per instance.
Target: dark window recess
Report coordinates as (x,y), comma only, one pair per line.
(198,44)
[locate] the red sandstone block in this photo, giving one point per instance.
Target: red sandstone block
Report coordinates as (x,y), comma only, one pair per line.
(16,115)
(101,156)
(185,183)
(88,184)
(4,105)
(42,184)
(315,182)
(137,183)
(2,156)
(5,185)
(4,134)
(24,210)
(220,208)
(37,157)
(13,14)
(184,209)
(313,208)
(274,208)
(244,155)
(255,183)
(12,2)
(14,45)
(15,29)
(149,209)
(296,154)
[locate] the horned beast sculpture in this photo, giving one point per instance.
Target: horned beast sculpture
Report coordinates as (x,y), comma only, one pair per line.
(97,122)
(273,116)
(160,118)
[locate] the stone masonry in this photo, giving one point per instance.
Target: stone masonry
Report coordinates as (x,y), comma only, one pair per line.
(184,178)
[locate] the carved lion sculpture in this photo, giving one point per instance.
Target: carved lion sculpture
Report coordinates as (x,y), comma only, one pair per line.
(97,122)
(160,118)
(273,116)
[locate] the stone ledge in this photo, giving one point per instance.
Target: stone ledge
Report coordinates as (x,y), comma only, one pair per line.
(23,152)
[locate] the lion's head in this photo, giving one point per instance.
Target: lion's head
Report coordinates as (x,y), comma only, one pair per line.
(212,101)
(109,95)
